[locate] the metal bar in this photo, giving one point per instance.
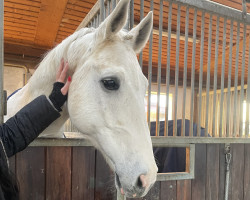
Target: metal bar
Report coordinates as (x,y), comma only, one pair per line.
(91,14)
(127,25)
(156,141)
(248,92)
(242,80)
(229,78)
(159,70)
(150,69)
(201,74)
(236,78)
(222,75)
(185,73)
(108,7)
(216,8)
(163,141)
(98,19)
(208,72)
(193,74)
(1,60)
(113,4)
(177,69)
(168,67)
(244,9)
(132,14)
(215,72)
(141,18)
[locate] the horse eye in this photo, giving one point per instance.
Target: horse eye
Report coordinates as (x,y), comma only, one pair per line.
(111,83)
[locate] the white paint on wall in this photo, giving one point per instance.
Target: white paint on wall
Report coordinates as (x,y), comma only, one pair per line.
(13,79)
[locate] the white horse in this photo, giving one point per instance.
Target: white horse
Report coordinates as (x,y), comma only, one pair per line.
(106,96)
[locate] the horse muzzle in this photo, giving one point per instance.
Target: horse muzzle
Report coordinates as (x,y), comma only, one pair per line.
(139,189)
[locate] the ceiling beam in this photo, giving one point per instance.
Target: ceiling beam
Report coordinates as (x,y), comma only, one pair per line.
(23,54)
(49,19)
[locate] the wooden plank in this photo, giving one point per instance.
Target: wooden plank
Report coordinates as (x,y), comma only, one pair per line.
(19,21)
(83,173)
(221,171)
(199,183)
(20,17)
(104,180)
(212,182)
(19,30)
(30,171)
(58,173)
(168,190)
(247,172)
(154,192)
(19,25)
(21,6)
(237,169)
(20,11)
(183,190)
(50,17)
(25,2)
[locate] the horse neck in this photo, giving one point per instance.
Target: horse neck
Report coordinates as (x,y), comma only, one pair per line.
(45,75)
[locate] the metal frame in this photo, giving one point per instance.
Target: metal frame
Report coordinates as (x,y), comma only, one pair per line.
(189,174)
(216,8)
(1,61)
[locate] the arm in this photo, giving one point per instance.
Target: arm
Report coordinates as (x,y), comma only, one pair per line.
(20,130)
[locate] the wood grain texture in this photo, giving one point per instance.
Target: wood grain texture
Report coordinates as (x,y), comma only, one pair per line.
(168,190)
(30,173)
(183,190)
(247,172)
(212,180)
(83,173)
(199,183)
(104,180)
(237,169)
(221,171)
(49,19)
(58,173)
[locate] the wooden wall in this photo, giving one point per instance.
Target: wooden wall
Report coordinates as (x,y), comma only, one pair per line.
(79,173)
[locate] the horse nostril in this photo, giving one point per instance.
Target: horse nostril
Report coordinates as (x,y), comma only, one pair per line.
(141,182)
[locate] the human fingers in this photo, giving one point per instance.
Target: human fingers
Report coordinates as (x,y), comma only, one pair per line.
(59,71)
(63,73)
(65,88)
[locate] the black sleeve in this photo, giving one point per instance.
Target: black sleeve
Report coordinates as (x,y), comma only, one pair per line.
(21,129)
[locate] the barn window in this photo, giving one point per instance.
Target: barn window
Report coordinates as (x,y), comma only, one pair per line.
(245,116)
(153,106)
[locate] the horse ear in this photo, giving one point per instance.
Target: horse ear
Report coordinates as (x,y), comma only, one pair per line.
(116,20)
(139,35)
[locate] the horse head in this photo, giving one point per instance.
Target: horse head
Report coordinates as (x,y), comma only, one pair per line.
(106,98)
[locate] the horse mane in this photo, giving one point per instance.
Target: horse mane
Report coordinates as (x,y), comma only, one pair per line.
(52,58)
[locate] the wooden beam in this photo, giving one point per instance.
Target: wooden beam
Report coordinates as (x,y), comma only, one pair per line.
(18,53)
(50,16)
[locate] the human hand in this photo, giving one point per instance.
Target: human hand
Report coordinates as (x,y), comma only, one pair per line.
(61,74)
(59,95)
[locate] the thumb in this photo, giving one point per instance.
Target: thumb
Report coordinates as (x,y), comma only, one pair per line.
(65,88)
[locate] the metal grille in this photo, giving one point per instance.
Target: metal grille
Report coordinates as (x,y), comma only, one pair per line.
(197,57)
